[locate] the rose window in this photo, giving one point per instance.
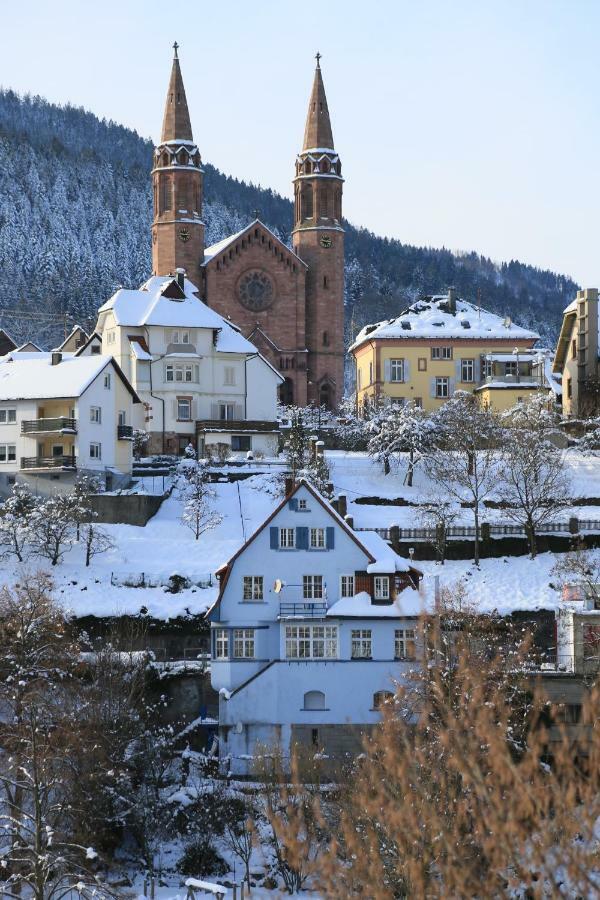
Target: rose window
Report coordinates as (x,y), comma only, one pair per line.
(255,291)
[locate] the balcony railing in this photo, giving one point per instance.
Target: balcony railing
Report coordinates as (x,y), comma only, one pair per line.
(306,610)
(61,424)
(124,432)
(48,462)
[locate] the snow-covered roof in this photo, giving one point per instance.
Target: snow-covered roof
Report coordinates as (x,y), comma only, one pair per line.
(139,352)
(35,378)
(149,306)
(29,354)
(409,603)
(215,249)
(432,318)
(221,245)
(386,560)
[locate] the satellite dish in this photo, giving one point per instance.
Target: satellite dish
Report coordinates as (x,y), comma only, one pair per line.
(278,585)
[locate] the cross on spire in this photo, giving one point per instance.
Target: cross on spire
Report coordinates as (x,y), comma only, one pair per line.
(318,57)
(175,48)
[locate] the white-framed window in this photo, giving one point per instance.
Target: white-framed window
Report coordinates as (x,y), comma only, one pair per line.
(312,587)
(122,417)
(302,505)
(253,587)
(396,370)
(382,587)
(441,352)
(311,641)
(111,337)
(107,381)
(346,585)
(317,539)
(95,450)
(287,538)
(510,368)
(180,337)
(241,442)
(221,643)
(442,387)
(361,643)
(487,368)
(8,416)
(243,643)
(380,698)
(467,370)
(229,378)
(184,409)
(96,415)
(404,643)
(8,453)
(226,412)
(181,373)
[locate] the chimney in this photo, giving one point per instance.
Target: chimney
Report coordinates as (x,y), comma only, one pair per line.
(180,276)
(56,358)
(452,299)
(349,520)
(342,505)
(289,485)
(319,449)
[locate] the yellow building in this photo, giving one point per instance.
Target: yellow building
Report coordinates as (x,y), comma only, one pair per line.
(442,344)
(576,361)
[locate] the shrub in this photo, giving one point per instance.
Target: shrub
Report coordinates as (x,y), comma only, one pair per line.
(201,858)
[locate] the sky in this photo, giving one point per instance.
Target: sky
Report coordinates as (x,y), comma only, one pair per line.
(462,124)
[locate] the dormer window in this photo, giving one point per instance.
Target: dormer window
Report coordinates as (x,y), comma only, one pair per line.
(382,587)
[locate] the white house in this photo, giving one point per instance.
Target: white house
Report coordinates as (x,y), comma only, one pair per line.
(64,414)
(199,379)
(313,626)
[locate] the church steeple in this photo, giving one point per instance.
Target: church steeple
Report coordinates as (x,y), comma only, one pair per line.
(177,229)
(317,132)
(176,120)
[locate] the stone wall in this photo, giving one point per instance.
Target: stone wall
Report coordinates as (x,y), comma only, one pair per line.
(126,509)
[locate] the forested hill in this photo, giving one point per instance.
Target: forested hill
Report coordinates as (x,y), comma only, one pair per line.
(75,212)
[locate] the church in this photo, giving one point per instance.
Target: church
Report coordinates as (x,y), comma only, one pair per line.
(288,302)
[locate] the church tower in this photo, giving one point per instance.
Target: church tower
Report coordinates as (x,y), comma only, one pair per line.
(177,228)
(318,239)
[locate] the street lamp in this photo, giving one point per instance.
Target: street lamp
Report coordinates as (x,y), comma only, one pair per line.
(516,353)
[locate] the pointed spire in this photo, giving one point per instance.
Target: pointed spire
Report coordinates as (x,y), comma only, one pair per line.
(317,132)
(176,121)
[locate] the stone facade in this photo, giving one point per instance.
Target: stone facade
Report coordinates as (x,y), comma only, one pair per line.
(289,303)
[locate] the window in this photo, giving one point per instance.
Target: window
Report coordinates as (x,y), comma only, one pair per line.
(184,409)
(346,585)
(95,415)
(8,416)
(569,388)
(442,387)
(8,453)
(221,643)
(122,420)
(95,349)
(314,700)
(287,538)
(404,643)
(510,368)
(418,401)
(253,587)
(95,450)
(441,352)
(243,643)
(573,349)
(107,381)
(382,587)
(226,412)
(422,364)
(181,373)
(241,442)
(361,643)
(312,587)
(317,538)
(311,641)
(467,370)
(396,370)
(302,505)
(487,368)
(180,337)
(110,337)
(229,375)
(381,697)
(370,373)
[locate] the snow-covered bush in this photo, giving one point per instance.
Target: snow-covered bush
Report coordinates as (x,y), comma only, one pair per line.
(15,522)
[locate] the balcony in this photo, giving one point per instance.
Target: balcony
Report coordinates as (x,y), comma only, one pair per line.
(45,463)
(58,425)
(124,432)
(303,610)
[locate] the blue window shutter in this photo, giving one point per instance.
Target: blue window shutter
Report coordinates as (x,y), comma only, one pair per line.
(274,538)
(302,538)
(293,504)
(458,369)
(432,390)
(330,537)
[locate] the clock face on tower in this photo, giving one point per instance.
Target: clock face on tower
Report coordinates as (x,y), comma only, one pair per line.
(255,290)
(184,234)
(326,241)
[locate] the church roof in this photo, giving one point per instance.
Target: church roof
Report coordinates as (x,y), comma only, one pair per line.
(211,252)
(176,121)
(432,317)
(148,305)
(317,132)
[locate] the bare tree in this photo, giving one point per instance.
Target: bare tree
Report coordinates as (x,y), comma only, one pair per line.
(438,513)
(463,459)
(15,522)
(399,428)
(198,514)
(97,541)
(53,525)
(532,467)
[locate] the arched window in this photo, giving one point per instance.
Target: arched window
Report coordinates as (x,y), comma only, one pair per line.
(314,700)
(325,395)
(381,697)
(307,202)
(326,339)
(324,165)
(307,167)
(183,158)
(324,204)
(165,193)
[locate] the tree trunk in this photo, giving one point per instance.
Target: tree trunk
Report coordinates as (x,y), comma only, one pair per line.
(476,516)
(386,465)
(411,467)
